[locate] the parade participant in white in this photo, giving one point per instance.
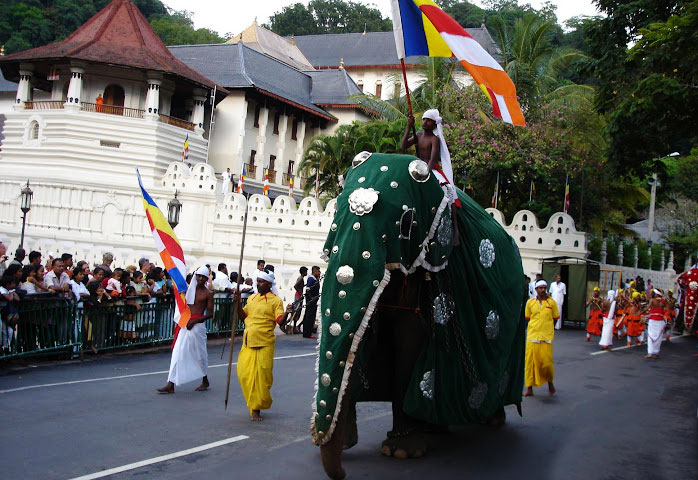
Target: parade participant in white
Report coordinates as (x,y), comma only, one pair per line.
(189,356)
(609,319)
(558,290)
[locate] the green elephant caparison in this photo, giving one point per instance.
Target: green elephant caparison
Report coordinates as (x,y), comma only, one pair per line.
(394,220)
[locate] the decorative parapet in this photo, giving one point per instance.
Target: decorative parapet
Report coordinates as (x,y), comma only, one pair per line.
(200,178)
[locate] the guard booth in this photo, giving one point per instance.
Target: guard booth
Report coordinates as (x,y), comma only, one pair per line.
(580,275)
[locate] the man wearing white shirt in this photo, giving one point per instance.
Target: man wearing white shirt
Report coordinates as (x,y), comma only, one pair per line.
(225,187)
(260,268)
(558,290)
(222,287)
(57,280)
(532,286)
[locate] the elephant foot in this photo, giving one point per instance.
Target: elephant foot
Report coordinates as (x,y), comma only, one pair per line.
(332,462)
(410,445)
(497,419)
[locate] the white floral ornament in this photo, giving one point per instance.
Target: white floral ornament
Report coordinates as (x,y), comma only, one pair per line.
(486,253)
(360,158)
(362,200)
(419,170)
(325,379)
(345,274)
(492,325)
(427,385)
(477,396)
(335,329)
(693,285)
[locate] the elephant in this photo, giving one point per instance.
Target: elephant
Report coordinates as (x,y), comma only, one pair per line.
(408,317)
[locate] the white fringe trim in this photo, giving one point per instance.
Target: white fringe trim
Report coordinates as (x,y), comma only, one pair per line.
(358,335)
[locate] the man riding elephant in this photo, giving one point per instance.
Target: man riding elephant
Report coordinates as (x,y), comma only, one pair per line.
(408,317)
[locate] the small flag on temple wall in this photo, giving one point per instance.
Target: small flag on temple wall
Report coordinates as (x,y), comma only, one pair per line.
(265,189)
(185,149)
(532,192)
(290,185)
(317,183)
(567,193)
(495,196)
(241,181)
(53,74)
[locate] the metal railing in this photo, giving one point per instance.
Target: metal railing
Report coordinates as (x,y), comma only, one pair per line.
(48,324)
(112,110)
(44,105)
(177,122)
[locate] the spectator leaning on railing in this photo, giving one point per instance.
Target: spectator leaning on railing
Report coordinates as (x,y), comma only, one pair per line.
(3,258)
(9,313)
(57,280)
(34,257)
(19,257)
(33,279)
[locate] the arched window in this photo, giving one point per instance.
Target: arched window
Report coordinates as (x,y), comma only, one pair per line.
(114,99)
(34,130)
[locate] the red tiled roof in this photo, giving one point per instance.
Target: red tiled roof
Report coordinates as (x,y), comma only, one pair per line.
(117,35)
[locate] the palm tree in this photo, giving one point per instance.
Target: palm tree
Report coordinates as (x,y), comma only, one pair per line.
(536,66)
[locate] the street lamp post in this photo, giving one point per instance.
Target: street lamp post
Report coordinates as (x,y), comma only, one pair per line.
(26,197)
(174,207)
(654,183)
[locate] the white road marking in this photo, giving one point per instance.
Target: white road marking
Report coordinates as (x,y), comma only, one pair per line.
(627,346)
(162,458)
(118,377)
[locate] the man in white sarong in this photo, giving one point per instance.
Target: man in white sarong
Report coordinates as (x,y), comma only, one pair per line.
(558,290)
(609,319)
(655,324)
(189,355)
(226,176)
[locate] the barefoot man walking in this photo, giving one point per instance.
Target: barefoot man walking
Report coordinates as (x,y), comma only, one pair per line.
(256,359)
(189,355)
(541,314)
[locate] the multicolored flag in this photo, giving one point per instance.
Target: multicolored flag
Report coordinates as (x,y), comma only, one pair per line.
(53,74)
(185,150)
(171,254)
(567,194)
(421,28)
(290,185)
(495,196)
(241,180)
(532,191)
(317,183)
(265,189)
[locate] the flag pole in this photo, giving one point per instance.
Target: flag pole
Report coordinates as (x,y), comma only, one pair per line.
(530,192)
(407,93)
(236,306)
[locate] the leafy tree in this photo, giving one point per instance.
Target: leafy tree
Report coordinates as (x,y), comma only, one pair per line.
(177,28)
(465,13)
(328,16)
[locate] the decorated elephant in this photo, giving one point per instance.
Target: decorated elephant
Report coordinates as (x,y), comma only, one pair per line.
(407,317)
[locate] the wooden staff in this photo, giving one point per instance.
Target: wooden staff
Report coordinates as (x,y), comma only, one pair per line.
(409,101)
(236,307)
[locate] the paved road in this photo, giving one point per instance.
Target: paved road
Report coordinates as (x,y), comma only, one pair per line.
(616,416)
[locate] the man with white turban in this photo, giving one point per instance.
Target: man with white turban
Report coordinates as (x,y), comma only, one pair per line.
(541,314)
(263,311)
(189,356)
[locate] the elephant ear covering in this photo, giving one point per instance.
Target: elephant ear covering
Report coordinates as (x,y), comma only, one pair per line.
(393,214)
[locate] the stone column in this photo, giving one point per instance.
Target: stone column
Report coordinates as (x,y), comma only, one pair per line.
(603,251)
(197,116)
(300,138)
(620,252)
(24,89)
(687,265)
(262,139)
(237,168)
(74,88)
(152,97)
(670,262)
(281,142)
(57,89)
(636,257)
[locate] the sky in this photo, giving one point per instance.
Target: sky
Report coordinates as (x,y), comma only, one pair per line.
(224,16)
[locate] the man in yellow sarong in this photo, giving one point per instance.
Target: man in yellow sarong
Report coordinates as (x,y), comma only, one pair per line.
(541,315)
(256,359)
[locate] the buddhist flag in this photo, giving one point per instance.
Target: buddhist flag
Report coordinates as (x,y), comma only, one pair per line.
(495,196)
(567,194)
(265,189)
(290,185)
(171,254)
(185,150)
(532,191)
(421,28)
(241,180)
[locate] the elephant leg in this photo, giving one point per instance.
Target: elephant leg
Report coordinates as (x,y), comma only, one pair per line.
(406,439)
(331,452)
(497,419)
(351,432)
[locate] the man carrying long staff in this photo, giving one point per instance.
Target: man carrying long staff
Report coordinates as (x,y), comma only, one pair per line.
(261,314)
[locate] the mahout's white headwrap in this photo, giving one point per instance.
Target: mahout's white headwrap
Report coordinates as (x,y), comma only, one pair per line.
(541,283)
(191,290)
(269,277)
(446,166)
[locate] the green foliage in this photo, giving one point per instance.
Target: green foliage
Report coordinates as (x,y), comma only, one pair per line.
(328,16)
(26,24)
